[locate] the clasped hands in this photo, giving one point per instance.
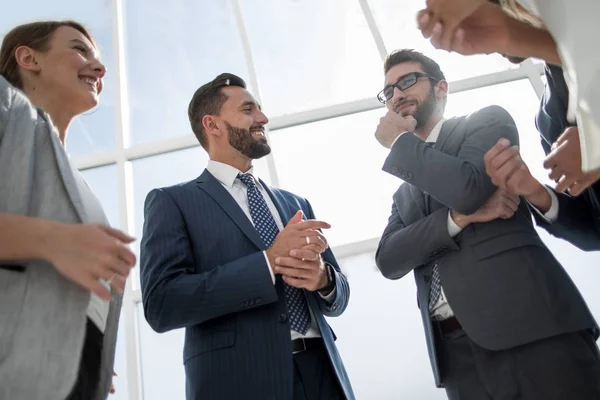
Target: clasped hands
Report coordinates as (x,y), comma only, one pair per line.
(296,253)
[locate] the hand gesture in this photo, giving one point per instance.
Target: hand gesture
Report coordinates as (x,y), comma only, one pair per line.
(391,125)
(302,274)
(441,18)
(299,235)
(508,171)
(564,163)
(500,205)
(86,253)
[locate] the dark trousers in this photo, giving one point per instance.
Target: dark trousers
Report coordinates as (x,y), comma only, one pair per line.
(89,366)
(565,367)
(314,378)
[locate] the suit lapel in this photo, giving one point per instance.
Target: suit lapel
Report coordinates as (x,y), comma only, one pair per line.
(66,173)
(214,189)
(284,211)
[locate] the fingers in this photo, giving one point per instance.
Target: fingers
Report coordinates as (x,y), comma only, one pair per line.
(94,286)
(564,183)
(295,263)
(305,254)
(556,173)
(125,254)
(314,237)
(425,22)
(122,236)
(507,176)
(296,282)
(506,212)
(297,217)
(311,224)
(551,160)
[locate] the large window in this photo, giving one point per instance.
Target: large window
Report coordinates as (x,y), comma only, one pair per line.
(316,67)
(322,53)
(172,48)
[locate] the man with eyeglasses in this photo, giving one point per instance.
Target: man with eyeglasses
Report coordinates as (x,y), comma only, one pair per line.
(502,318)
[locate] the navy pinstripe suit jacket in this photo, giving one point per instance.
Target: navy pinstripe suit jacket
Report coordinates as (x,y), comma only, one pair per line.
(202,269)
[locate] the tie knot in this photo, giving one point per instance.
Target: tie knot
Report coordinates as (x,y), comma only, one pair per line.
(247,179)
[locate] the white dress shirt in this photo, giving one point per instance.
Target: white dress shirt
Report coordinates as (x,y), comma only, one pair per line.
(98,308)
(573,25)
(227,175)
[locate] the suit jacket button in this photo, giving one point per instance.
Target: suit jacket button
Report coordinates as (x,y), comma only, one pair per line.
(394,169)
(408,176)
(283,318)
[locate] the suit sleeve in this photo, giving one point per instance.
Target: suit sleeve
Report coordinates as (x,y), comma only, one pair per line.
(6,96)
(575,222)
(459,182)
(342,288)
(403,248)
(174,294)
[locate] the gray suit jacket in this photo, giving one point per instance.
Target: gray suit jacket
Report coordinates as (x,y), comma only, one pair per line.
(42,314)
(503,284)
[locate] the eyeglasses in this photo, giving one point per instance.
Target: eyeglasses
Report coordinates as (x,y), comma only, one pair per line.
(403,83)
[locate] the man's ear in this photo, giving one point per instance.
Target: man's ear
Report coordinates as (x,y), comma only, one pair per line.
(26,58)
(441,89)
(211,125)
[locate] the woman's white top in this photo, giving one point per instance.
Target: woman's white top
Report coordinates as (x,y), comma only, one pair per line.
(97,310)
(575,27)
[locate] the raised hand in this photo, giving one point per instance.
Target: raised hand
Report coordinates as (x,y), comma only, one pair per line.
(299,235)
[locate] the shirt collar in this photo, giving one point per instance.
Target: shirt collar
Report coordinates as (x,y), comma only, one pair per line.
(225,173)
(435,132)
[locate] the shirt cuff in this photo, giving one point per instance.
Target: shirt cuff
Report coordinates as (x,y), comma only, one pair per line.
(453,229)
(552,215)
(330,297)
(269,266)
(394,142)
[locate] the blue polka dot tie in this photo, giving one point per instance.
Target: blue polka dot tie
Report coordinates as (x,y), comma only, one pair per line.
(267,229)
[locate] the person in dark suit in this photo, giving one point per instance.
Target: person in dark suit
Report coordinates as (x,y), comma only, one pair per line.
(575,219)
(502,318)
(217,260)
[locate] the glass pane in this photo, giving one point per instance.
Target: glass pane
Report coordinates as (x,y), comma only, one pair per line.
(336,165)
(391,306)
(103,182)
(396,20)
(172,48)
(163,376)
(323,53)
(120,381)
(93,131)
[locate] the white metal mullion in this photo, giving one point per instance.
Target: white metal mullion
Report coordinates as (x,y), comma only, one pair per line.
(129,321)
(534,73)
(253,79)
(377,37)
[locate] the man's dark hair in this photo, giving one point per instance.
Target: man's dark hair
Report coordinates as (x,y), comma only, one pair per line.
(408,55)
(208,100)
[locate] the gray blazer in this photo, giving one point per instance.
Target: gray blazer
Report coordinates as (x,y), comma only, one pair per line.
(42,314)
(503,284)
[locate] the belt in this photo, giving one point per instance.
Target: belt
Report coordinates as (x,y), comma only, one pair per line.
(300,345)
(448,325)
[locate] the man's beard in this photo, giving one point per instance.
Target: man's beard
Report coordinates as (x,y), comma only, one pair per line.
(241,139)
(424,111)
